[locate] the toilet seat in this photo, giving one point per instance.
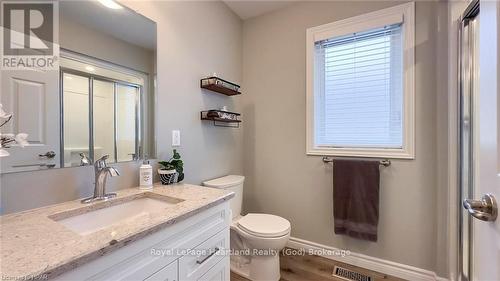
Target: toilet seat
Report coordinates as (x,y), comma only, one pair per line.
(264,225)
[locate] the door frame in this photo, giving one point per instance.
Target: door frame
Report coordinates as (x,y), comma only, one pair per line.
(456,94)
(456,10)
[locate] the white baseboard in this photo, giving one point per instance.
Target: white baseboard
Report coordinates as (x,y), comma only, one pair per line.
(383,266)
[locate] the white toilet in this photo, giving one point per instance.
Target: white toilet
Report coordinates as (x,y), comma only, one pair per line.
(262,236)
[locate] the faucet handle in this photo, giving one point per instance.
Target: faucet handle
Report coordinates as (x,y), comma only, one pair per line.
(84,160)
(101,162)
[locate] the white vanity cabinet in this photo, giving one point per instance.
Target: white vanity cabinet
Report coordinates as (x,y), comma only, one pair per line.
(195,248)
(219,272)
(168,273)
(194,267)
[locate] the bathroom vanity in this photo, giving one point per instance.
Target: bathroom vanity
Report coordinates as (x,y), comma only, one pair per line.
(180,232)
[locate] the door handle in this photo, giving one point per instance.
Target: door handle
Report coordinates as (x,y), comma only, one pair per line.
(49,155)
(485,209)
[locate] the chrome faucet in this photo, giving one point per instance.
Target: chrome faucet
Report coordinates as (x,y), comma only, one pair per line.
(102,170)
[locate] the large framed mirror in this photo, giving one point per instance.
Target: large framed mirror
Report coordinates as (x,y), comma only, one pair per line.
(100,101)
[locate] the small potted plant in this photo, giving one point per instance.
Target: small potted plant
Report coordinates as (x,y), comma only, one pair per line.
(171,171)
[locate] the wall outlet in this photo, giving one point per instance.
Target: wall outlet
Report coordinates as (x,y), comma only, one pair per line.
(176,138)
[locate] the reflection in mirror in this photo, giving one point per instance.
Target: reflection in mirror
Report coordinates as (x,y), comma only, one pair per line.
(76,118)
(100,101)
(127,97)
(103,115)
(115,98)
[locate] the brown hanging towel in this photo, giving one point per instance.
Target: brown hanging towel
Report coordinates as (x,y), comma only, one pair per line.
(355,198)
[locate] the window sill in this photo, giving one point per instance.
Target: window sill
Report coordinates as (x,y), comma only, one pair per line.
(363,152)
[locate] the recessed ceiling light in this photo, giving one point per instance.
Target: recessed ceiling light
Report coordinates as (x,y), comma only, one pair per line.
(89,68)
(111,4)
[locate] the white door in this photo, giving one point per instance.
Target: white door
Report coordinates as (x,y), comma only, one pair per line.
(486,256)
(485,225)
(32,96)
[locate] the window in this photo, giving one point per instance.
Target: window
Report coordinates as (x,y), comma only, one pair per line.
(360,93)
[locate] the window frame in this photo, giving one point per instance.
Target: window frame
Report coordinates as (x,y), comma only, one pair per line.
(404,14)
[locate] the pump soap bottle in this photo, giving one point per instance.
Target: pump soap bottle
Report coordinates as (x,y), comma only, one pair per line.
(146,176)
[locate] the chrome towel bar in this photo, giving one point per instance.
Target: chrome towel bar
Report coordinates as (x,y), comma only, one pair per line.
(385,162)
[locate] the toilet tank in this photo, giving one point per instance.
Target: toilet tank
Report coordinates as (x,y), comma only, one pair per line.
(232,183)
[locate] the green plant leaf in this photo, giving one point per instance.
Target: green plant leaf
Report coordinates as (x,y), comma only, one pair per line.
(164,165)
(176,154)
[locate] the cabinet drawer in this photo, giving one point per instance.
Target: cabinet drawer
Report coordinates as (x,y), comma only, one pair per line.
(168,273)
(197,262)
(219,272)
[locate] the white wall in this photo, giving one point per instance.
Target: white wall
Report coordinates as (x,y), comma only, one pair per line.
(194,39)
(282,180)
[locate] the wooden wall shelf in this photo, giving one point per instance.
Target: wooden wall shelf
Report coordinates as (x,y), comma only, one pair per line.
(221,86)
(219,121)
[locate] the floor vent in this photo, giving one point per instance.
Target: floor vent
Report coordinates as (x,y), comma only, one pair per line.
(350,275)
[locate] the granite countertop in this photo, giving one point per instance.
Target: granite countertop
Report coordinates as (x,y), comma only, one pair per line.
(35,246)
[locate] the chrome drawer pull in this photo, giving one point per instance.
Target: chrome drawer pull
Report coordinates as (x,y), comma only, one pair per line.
(207,257)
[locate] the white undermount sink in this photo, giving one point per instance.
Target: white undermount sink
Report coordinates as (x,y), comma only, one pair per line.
(106,216)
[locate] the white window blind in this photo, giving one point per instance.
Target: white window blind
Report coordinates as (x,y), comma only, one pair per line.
(358,90)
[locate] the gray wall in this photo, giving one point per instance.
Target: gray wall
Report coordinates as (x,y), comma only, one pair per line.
(187,50)
(282,180)
(196,39)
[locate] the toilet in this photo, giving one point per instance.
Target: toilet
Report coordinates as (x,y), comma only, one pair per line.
(259,236)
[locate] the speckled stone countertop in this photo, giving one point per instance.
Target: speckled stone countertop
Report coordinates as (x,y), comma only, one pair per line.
(35,246)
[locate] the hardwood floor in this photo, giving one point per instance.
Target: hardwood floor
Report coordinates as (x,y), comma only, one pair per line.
(315,268)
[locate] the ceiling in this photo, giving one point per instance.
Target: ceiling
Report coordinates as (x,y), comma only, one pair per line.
(246,9)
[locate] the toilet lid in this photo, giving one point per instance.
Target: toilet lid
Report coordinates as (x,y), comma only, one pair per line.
(264,225)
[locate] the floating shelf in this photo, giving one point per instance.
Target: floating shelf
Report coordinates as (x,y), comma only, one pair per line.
(221,86)
(217,117)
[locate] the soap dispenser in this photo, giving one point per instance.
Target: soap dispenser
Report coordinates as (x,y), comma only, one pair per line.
(146,175)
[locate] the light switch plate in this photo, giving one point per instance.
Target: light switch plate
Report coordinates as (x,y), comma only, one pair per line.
(176,138)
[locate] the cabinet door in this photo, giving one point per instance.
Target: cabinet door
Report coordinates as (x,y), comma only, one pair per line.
(198,261)
(219,272)
(168,273)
